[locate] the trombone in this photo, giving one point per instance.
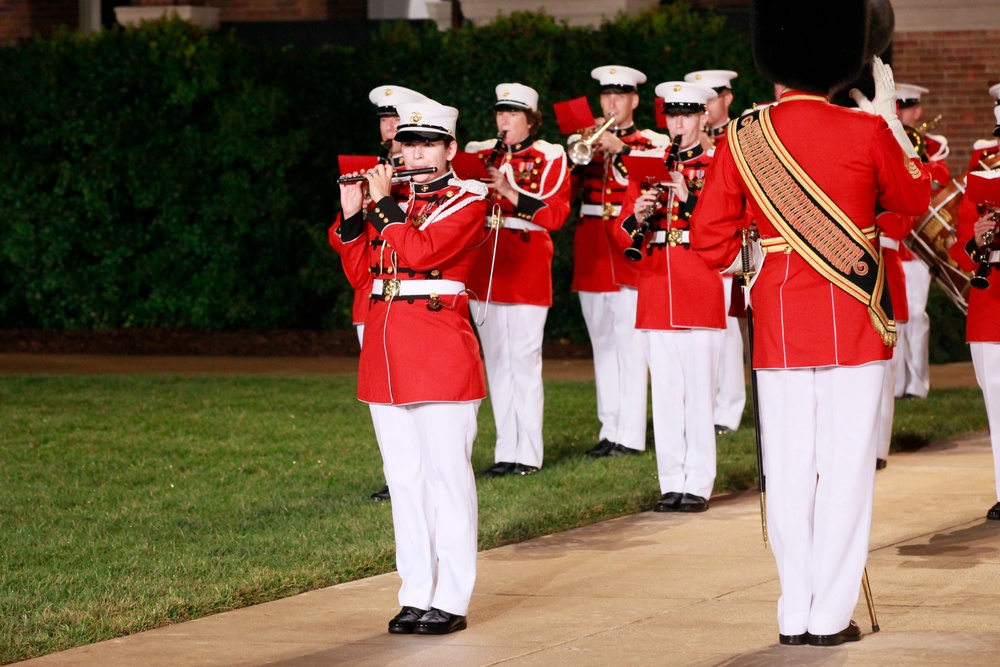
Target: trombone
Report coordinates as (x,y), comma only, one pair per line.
(581,151)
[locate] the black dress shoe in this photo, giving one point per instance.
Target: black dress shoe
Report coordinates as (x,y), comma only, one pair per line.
(994,513)
(880,464)
(794,640)
(602,448)
(668,502)
(500,469)
(437,622)
(381,494)
(622,450)
(523,469)
(692,503)
(722,430)
(852,633)
(405,621)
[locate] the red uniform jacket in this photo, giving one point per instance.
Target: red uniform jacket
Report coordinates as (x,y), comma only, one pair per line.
(414,351)
(596,267)
(677,290)
(523,268)
(983,322)
(801,319)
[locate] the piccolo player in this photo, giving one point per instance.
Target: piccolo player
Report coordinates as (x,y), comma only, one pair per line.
(420,370)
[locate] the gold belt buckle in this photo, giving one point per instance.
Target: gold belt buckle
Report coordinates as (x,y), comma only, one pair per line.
(608,210)
(390,289)
(674,237)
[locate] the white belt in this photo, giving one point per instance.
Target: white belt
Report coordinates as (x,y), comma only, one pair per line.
(674,236)
(995,257)
(393,288)
(517,223)
(886,242)
(597,210)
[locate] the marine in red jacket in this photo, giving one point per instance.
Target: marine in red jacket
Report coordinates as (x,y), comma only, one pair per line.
(385,99)
(420,370)
(977,248)
(529,185)
(681,312)
(812,175)
(604,280)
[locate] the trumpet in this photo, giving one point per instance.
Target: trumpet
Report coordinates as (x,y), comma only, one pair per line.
(491,161)
(396,177)
(581,151)
(634,251)
(916,135)
(981,279)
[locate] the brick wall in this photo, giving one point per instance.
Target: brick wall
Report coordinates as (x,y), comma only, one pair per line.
(20,19)
(958,68)
(242,11)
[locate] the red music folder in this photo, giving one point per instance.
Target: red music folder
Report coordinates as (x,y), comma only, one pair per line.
(645,169)
(661,118)
(983,187)
(574,115)
(351,163)
(468,166)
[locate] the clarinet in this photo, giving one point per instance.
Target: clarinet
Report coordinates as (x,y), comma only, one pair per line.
(981,279)
(634,251)
(497,149)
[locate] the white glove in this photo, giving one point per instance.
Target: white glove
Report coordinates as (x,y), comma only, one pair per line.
(884,103)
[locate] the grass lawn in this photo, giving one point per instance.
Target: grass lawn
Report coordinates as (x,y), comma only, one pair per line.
(131,502)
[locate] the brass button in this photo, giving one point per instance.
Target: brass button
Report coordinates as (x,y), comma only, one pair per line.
(435,273)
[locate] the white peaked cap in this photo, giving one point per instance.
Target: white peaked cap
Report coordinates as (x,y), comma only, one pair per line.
(387,98)
(909,92)
(618,76)
(426,120)
(713,78)
(684,94)
(516,96)
(995,92)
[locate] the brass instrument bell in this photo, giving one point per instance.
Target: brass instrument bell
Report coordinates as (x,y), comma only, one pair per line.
(581,151)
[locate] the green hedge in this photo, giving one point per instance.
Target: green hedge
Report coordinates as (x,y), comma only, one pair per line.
(165,177)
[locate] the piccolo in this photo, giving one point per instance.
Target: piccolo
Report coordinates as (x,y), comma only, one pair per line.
(402,173)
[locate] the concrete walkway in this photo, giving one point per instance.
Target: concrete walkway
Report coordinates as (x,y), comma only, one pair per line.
(650,589)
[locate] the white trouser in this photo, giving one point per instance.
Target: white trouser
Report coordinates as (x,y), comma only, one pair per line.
(914,338)
(884,437)
(732,395)
(620,371)
(683,366)
(427,450)
(986,361)
(511,336)
(818,428)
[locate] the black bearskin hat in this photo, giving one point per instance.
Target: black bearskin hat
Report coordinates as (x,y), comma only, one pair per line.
(818,46)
